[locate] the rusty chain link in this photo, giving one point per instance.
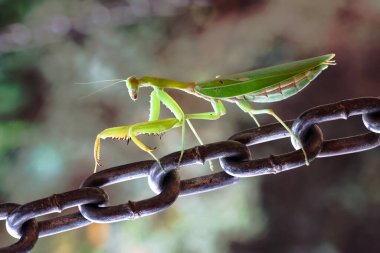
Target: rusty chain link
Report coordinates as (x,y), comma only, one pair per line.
(233,154)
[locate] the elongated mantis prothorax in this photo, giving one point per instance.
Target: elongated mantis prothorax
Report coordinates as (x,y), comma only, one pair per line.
(263,85)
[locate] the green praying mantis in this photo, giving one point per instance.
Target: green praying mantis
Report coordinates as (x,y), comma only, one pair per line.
(264,85)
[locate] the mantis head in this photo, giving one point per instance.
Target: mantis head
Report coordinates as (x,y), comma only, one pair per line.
(133,84)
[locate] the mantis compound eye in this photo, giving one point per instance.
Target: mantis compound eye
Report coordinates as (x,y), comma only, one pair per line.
(133,87)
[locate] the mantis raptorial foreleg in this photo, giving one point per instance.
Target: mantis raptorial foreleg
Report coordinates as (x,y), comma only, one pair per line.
(130,132)
(172,105)
(154,112)
(156,126)
(153,126)
(246,107)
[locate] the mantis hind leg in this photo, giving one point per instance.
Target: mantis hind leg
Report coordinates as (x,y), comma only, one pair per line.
(243,105)
(247,108)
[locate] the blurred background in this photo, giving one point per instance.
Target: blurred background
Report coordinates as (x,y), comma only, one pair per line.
(48,123)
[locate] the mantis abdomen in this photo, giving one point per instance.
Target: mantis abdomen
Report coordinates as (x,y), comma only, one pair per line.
(286,88)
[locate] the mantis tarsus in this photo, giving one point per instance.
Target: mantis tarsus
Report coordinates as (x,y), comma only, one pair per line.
(263,85)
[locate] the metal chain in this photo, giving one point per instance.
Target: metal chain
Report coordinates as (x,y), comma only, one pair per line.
(233,154)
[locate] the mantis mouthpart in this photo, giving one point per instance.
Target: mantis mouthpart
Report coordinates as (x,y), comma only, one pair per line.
(264,85)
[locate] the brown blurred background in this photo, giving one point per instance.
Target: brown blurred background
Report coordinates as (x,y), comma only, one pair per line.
(48,123)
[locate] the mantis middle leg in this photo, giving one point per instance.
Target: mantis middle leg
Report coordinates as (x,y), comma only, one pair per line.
(219,110)
(173,106)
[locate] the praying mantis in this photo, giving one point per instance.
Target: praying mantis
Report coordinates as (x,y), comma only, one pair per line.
(264,85)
